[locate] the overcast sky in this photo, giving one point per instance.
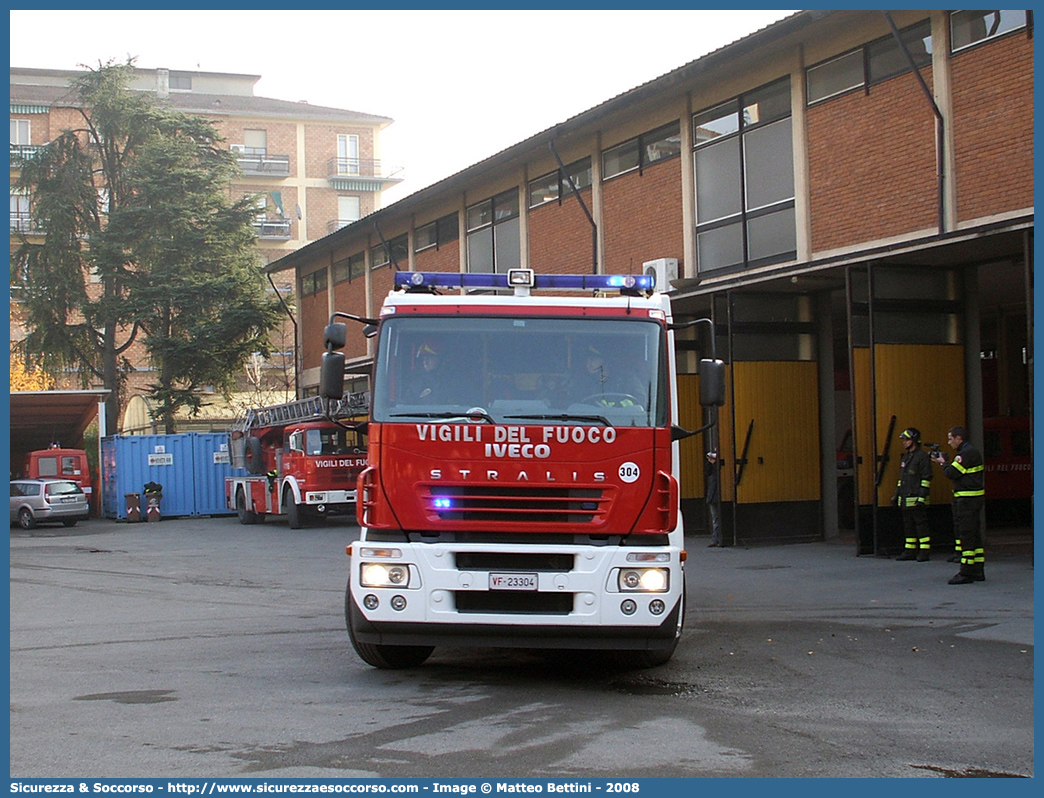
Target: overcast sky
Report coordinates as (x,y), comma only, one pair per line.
(460,85)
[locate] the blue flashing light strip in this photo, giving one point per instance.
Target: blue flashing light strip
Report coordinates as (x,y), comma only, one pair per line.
(561,282)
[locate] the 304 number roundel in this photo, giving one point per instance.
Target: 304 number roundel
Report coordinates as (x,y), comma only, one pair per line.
(629,472)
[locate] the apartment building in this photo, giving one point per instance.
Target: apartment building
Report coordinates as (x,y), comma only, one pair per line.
(311,169)
(848,195)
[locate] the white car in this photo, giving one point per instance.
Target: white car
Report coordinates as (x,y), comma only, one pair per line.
(38,500)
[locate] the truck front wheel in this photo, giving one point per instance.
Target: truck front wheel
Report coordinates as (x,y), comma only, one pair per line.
(246,515)
(293,510)
(385,657)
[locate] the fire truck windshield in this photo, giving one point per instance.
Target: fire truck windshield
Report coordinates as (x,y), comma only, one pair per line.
(521,369)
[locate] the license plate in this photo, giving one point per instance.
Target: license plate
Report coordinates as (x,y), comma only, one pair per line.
(512,581)
(68,499)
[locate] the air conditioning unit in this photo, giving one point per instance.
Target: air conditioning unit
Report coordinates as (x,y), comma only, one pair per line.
(663,270)
(240,148)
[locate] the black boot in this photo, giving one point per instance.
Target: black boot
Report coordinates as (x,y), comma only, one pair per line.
(978,573)
(961,579)
(955,557)
(908,554)
(922,556)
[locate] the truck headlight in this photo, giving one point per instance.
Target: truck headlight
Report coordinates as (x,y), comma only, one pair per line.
(376,574)
(644,580)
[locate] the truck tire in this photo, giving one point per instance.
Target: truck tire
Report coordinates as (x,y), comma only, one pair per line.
(255,456)
(246,516)
(661,656)
(384,657)
(294,516)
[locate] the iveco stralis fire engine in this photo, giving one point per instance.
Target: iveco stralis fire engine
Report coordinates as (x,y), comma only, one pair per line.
(522,486)
(299,462)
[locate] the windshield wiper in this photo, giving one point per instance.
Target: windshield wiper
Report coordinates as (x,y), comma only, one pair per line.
(477,413)
(565,417)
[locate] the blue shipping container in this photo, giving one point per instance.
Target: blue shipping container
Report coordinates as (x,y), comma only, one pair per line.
(190,466)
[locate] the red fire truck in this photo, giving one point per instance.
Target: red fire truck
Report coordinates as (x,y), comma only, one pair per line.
(522,485)
(299,462)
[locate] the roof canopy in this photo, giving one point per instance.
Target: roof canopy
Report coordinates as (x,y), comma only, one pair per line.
(39,418)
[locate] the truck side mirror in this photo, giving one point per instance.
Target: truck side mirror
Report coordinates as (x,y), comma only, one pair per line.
(335,335)
(331,375)
(712,382)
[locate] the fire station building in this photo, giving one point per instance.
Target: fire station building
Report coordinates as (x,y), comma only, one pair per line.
(848,195)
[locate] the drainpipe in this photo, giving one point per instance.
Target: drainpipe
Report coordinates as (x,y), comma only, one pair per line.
(940,141)
(583,206)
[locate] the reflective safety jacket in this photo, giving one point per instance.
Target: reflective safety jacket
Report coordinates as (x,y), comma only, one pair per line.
(915,479)
(968,473)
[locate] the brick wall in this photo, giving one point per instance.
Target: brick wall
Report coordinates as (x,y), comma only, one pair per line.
(349,297)
(642,218)
(312,317)
(444,258)
(560,237)
(993,127)
(872,164)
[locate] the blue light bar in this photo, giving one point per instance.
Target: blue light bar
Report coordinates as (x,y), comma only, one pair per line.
(559,282)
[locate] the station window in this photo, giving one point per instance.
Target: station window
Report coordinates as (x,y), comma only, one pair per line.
(642,151)
(874,62)
(494,238)
(744,165)
(435,234)
(396,251)
(556,185)
(971,27)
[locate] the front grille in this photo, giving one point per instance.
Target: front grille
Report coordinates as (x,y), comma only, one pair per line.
(512,561)
(514,603)
(541,504)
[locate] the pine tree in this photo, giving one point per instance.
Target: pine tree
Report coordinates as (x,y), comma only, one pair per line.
(142,243)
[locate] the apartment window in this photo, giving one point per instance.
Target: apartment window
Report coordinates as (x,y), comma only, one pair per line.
(348,210)
(744,167)
(555,185)
(180,82)
(20,132)
(397,250)
(637,153)
(255,142)
(347,154)
(494,243)
(877,61)
(435,234)
(971,27)
(20,212)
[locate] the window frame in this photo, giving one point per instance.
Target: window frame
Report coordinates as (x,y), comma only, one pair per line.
(641,143)
(745,126)
(990,37)
(445,229)
(496,211)
(16,125)
(562,188)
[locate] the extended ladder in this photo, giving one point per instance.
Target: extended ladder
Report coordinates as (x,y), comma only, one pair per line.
(311,407)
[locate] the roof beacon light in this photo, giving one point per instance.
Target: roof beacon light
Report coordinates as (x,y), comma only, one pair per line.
(524,279)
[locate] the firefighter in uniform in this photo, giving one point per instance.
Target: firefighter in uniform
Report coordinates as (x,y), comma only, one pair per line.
(911,496)
(967,472)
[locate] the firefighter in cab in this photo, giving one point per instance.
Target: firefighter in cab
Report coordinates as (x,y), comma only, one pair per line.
(427,385)
(911,496)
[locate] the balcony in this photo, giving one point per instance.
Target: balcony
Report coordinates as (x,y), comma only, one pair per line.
(334,225)
(261,164)
(272,229)
(361,174)
(22,222)
(20,153)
